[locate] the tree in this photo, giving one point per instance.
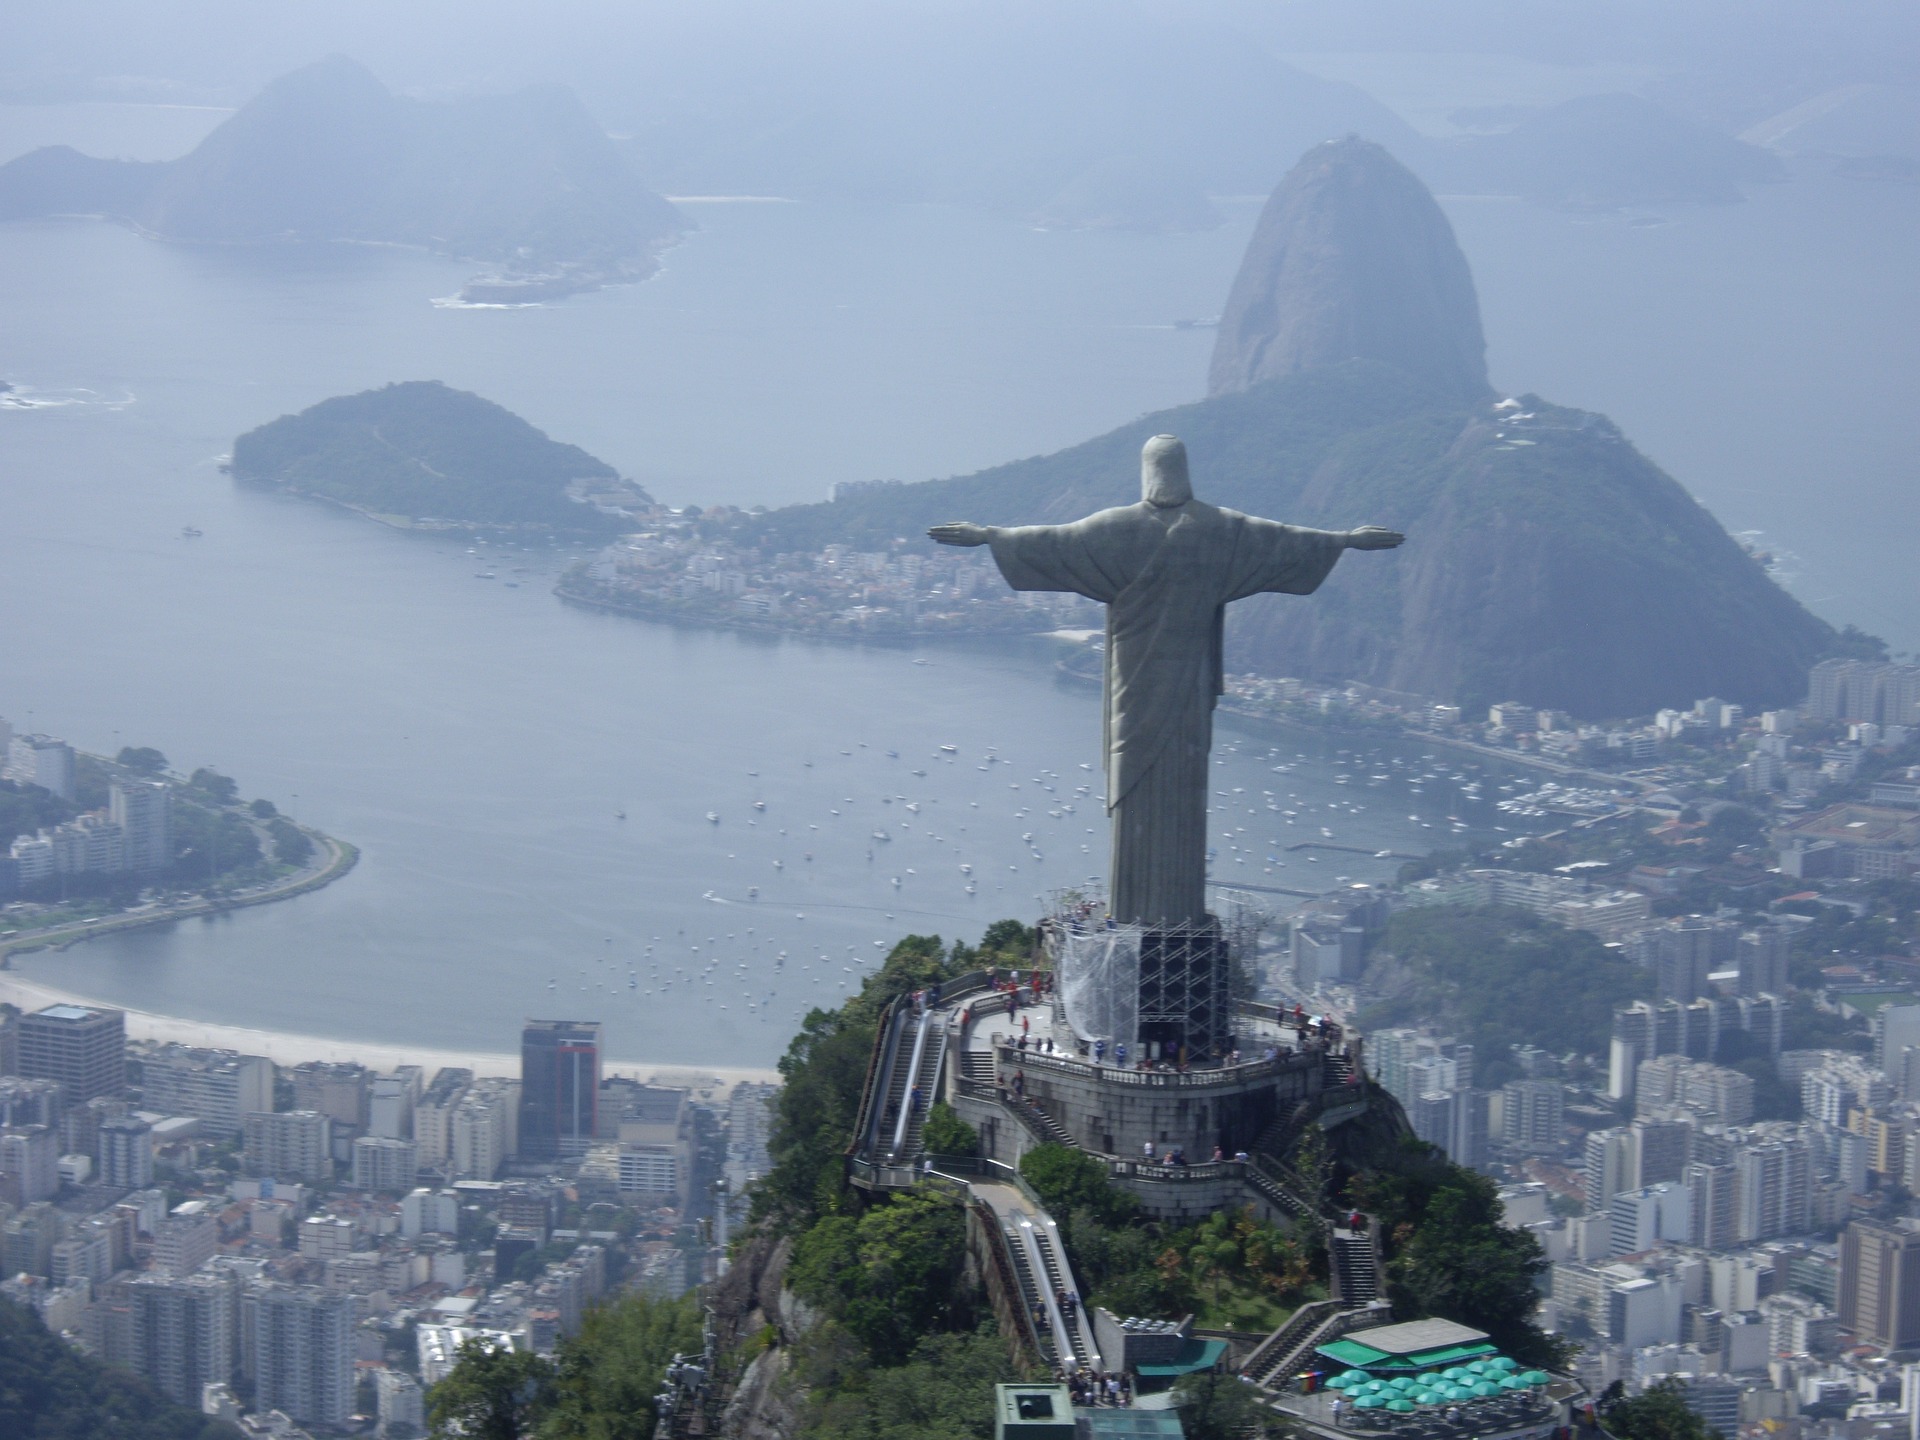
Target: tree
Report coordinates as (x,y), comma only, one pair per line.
(608,1373)
(216,787)
(890,1277)
(262,809)
(1214,1406)
(51,1391)
(490,1395)
(1067,1180)
(1461,1263)
(291,844)
(1658,1413)
(141,760)
(945,1133)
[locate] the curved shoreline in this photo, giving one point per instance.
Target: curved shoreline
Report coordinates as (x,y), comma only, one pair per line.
(287,1048)
(342,857)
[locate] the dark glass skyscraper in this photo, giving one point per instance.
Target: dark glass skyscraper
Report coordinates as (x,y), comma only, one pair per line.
(559,1087)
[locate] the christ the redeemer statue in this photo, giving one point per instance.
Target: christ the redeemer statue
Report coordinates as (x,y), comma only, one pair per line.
(1166,569)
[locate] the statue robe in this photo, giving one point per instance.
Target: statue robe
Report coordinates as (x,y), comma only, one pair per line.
(1166,576)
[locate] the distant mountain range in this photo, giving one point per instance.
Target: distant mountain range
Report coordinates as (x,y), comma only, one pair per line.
(527,182)
(1548,561)
(420,452)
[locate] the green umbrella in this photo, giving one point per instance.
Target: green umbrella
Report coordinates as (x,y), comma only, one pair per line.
(1484,1388)
(1400,1407)
(1424,1397)
(1537,1377)
(1501,1362)
(1476,1367)
(1455,1373)
(1369,1402)
(1374,1387)
(1341,1381)
(1513,1382)
(1401,1383)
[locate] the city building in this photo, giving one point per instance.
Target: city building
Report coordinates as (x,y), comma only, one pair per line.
(219,1088)
(340,1091)
(481,1130)
(30,1162)
(390,1103)
(1641,1219)
(290,1145)
(559,1088)
(143,809)
(398,1402)
(186,1239)
(433,1117)
(1880,1283)
(43,761)
(303,1353)
(82,1046)
(1874,692)
(1533,1116)
(383,1165)
(126,1152)
(182,1332)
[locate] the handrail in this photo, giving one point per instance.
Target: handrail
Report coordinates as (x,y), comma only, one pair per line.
(1286,1061)
(1063,1346)
(1297,1326)
(867,1086)
(998,1247)
(883,1076)
(913,1079)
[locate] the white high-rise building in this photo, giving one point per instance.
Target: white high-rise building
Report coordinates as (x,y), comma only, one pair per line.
(398,1400)
(429,1212)
(219,1088)
(143,809)
(479,1137)
(1642,1218)
(303,1353)
(186,1239)
(382,1165)
(30,1154)
(41,760)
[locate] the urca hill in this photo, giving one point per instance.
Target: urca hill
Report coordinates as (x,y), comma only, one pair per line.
(328,153)
(421,453)
(1548,560)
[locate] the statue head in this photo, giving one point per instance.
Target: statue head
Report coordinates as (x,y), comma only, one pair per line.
(1163,473)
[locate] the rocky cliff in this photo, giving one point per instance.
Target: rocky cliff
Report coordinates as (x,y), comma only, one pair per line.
(1547,560)
(329,153)
(1351,260)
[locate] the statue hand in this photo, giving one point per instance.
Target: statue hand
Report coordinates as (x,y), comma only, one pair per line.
(1373,537)
(961,532)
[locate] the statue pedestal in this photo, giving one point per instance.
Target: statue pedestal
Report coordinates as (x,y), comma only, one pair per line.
(1161,990)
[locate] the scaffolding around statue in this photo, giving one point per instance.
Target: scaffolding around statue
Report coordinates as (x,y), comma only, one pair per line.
(1165,992)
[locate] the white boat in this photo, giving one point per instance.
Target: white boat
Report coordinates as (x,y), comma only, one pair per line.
(760,805)
(881,835)
(949,749)
(713,817)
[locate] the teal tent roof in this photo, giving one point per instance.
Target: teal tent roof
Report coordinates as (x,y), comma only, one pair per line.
(1194,1355)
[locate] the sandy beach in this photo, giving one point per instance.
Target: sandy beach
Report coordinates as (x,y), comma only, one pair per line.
(286,1049)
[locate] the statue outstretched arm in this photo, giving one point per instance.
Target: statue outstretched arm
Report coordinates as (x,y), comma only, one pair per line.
(1373,537)
(962,532)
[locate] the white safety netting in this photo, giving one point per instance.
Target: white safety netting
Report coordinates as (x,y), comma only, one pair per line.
(1098,975)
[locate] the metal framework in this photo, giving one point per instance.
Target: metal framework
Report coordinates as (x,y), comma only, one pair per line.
(1165,988)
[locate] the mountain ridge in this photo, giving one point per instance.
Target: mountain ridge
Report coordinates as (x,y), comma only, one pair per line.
(525,181)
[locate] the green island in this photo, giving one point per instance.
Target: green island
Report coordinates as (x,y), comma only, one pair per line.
(421,455)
